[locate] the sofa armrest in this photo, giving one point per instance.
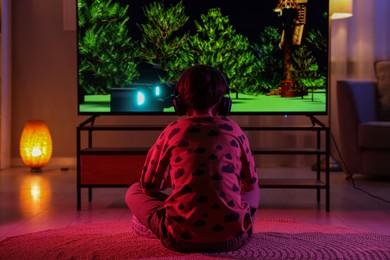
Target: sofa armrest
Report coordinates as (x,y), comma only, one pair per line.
(356,105)
(358,97)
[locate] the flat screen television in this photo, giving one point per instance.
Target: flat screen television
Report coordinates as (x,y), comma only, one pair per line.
(274,53)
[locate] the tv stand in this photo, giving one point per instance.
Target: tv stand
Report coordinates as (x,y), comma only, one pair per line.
(91,120)
(316,121)
(107,167)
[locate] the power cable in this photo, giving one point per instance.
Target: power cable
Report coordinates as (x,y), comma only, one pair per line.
(350,175)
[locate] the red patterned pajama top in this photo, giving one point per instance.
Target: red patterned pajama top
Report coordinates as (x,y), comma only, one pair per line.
(208,163)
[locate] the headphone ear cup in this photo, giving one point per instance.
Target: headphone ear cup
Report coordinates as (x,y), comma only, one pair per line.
(225,106)
(180,108)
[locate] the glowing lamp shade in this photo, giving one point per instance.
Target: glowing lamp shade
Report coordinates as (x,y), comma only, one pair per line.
(340,9)
(35,145)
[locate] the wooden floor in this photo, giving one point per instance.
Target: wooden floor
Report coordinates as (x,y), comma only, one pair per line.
(32,202)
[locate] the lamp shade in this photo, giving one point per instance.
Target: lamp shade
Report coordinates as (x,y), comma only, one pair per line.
(35,144)
(340,9)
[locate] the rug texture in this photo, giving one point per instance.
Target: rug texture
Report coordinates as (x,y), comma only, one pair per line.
(273,239)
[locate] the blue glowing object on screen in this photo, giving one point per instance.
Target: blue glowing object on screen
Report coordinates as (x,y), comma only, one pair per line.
(157,91)
(140,98)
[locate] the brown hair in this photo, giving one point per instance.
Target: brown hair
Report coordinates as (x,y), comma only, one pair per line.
(201,87)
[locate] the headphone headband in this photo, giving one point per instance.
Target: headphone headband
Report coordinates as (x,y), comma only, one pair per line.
(223,107)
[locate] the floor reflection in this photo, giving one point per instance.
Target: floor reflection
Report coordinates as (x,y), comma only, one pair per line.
(35,195)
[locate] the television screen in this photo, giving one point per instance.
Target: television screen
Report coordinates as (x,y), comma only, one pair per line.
(274,53)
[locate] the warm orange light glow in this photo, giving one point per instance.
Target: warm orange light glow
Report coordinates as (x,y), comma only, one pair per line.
(35,144)
(35,195)
(35,192)
(340,9)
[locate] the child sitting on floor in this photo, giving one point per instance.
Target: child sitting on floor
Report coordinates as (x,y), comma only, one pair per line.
(206,160)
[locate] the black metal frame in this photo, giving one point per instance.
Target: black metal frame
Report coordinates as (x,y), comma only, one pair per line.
(320,149)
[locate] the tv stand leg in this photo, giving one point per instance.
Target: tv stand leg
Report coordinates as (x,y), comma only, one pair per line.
(90,194)
(78,198)
(318,195)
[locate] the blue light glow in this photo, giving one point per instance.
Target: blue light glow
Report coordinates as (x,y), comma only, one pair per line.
(157,91)
(140,98)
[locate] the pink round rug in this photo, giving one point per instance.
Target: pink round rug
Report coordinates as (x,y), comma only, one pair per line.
(273,239)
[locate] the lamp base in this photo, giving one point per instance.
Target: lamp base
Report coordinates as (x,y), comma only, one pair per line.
(334,165)
(36,170)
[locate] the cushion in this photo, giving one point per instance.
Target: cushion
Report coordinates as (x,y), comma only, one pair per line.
(382,71)
(374,135)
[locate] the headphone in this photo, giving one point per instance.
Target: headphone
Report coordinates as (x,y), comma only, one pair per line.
(224,106)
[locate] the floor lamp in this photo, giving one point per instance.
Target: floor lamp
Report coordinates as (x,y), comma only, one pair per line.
(338,9)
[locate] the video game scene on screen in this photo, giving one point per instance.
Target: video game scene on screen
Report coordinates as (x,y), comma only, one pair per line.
(274,53)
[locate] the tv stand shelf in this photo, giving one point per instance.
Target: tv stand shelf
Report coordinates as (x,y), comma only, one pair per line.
(104,167)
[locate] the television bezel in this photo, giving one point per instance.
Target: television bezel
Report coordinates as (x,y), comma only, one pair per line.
(233,113)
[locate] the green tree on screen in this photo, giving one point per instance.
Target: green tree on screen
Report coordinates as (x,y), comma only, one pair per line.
(161,42)
(218,44)
(270,59)
(106,51)
(305,69)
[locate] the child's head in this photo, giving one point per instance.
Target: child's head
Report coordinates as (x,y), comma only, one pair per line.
(201,88)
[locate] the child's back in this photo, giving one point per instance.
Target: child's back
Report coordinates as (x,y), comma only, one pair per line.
(205,155)
(207,161)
